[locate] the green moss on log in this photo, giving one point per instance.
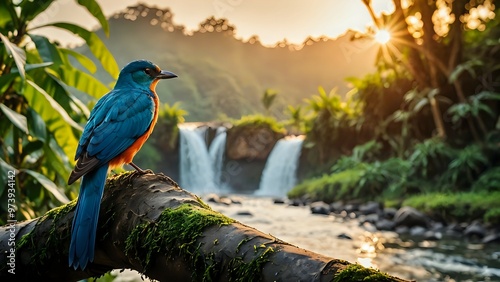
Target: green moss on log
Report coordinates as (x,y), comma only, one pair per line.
(356,272)
(49,248)
(241,271)
(176,231)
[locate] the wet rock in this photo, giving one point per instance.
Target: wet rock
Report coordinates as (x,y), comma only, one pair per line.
(244,213)
(351,208)
(432,235)
(212,198)
(417,231)
(336,207)
(475,231)
(438,226)
(389,213)
(371,218)
(385,224)
(320,208)
(491,238)
(402,229)
(408,216)
(454,230)
(344,236)
(370,227)
(278,201)
(253,142)
(296,203)
(369,208)
(236,201)
(225,201)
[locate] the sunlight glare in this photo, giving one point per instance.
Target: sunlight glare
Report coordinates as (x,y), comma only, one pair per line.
(382,36)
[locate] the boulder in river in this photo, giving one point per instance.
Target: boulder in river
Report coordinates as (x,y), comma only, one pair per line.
(408,216)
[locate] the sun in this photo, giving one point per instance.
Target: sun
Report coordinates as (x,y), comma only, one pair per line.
(382,36)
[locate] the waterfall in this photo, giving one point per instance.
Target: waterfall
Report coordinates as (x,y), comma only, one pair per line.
(196,168)
(279,175)
(216,153)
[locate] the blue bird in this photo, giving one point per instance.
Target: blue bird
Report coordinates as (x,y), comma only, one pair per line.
(118,126)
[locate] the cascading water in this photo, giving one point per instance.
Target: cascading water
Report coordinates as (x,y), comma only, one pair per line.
(279,175)
(196,168)
(216,153)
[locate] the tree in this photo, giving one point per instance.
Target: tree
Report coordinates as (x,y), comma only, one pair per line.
(429,42)
(42,103)
(149,224)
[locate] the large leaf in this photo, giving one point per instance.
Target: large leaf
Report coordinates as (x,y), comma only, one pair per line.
(17,54)
(31,9)
(17,119)
(95,44)
(47,50)
(94,8)
(57,120)
(83,60)
(82,81)
(48,185)
(55,105)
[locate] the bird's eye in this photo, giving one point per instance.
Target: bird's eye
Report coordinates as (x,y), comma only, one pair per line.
(147,71)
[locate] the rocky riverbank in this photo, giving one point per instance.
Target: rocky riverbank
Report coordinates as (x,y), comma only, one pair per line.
(402,242)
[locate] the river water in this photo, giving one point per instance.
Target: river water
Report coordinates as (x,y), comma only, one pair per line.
(410,258)
(406,257)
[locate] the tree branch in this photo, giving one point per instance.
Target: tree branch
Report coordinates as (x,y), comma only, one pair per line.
(149,224)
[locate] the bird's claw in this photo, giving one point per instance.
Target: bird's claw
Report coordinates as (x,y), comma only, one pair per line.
(140,170)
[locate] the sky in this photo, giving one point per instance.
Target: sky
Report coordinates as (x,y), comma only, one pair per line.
(272,21)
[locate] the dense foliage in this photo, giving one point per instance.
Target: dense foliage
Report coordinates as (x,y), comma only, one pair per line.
(427,122)
(42,108)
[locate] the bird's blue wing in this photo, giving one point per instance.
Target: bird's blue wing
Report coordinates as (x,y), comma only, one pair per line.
(116,122)
(125,120)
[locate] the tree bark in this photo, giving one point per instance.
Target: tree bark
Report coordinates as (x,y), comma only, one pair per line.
(149,224)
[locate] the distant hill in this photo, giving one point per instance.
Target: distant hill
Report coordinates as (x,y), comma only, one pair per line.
(221,74)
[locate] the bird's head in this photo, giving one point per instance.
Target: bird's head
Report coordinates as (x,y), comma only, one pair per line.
(142,74)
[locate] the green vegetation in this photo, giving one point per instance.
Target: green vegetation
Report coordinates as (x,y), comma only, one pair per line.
(42,104)
(464,206)
(258,120)
(356,272)
(177,231)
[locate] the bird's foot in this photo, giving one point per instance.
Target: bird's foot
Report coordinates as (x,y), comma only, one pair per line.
(140,170)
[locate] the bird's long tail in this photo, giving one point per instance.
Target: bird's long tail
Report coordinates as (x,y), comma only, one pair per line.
(83,231)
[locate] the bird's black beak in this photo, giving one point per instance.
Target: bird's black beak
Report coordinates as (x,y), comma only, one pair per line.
(166,75)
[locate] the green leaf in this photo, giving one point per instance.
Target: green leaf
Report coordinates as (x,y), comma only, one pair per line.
(36,125)
(57,160)
(83,60)
(95,44)
(56,119)
(48,185)
(94,8)
(47,50)
(6,12)
(17,119)
(5,81)
(55,105)
(17,54)
(29,67)
(82,81)
(31,9)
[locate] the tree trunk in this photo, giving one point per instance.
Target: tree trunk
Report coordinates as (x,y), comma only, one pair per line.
(149,224)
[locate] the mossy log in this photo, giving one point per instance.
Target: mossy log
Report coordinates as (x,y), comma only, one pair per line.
(149,224)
